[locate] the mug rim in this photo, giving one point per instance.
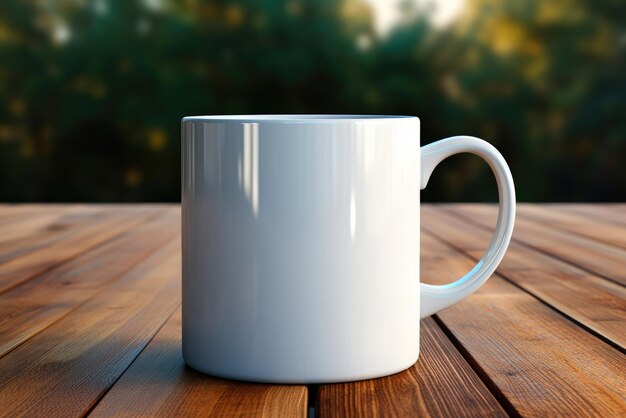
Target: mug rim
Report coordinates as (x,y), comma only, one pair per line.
(295,118)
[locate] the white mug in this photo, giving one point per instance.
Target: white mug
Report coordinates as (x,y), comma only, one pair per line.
(301,242)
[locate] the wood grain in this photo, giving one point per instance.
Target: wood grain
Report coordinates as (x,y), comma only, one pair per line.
(602,259)
(42,228)
(39,220)
(594,302)
(78,241)
(607,212)
(38,303)
(158,384)
(39,223)
(577,223)
(88,290)
(65,369)
(440,384)
(10,213)
(540,362)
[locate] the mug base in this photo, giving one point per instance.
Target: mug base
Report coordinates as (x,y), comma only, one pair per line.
(300,380)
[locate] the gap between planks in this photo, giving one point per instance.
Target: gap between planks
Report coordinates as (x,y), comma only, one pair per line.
(452,330)
(64,368)
(28,309)
(167,387)
(440,383)
(560,285)
(618,345)
(597,258)
(542,362)
(611,213)
(579,223)
(21,269)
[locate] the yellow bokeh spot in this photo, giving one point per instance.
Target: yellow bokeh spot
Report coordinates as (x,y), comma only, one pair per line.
(17,106)
(515,39)
(157,139)
(98,90)
(294,7)
(555,121)
(7,35)
(26,148)
(234,15)
(133,177)
(535,68)
(6,133)
(209,10)
(532,46)
(510,36)
(356,11)
(452,87)
(551,11)
(90,85)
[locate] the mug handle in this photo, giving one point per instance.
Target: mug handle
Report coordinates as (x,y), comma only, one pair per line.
(435,298)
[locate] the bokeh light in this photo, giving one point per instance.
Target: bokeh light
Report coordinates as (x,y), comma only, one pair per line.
(92,92)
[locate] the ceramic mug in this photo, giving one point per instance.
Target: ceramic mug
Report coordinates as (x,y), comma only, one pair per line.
(300,244)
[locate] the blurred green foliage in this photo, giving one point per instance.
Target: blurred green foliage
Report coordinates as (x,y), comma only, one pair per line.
(92,92)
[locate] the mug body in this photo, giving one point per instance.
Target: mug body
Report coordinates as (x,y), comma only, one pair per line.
(300,246)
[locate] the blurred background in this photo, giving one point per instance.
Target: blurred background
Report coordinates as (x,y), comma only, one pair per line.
(92,91)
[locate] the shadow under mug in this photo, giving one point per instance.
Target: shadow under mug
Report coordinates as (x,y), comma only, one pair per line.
(300,244)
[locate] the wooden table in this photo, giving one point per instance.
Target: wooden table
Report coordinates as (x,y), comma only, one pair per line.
(90,321)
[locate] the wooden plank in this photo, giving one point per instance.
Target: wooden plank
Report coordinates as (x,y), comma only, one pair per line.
(596,257)
(11,214)
(540,362)
(594,302)
(106,227)
(65,369)
(158,384)
(40,302)
(441,383)
(14,212)
(44,220)
(24,236)
(576,222)
(606,212)
(39,219)
(45,227)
